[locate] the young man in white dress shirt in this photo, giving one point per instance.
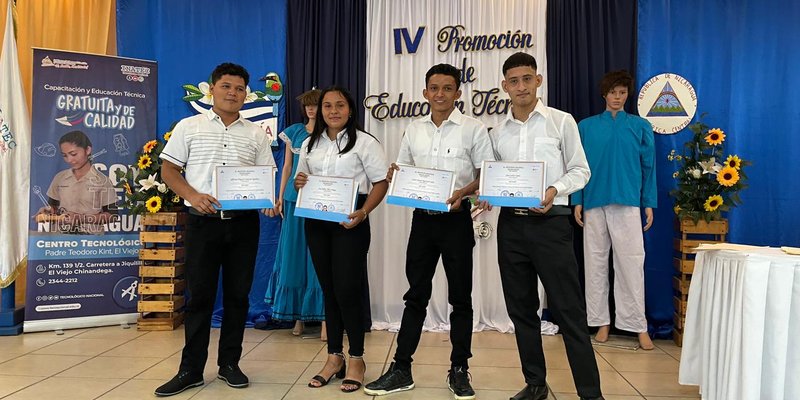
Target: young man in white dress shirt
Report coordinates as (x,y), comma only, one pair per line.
(214,238)
(446,139)
(538,241)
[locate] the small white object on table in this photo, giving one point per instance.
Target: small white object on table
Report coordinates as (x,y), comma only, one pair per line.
(742,334)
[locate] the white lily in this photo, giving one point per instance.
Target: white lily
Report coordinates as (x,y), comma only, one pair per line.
(149,182)
(250,97)
(205,88)
(710,166)
(208,97)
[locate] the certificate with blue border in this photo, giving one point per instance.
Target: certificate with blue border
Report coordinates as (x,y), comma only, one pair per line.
(328,198)
(512,183)
(421,188)
(245,187)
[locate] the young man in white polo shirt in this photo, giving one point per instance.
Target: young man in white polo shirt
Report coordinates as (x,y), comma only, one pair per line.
(538,241)
(214,238)
(446,139)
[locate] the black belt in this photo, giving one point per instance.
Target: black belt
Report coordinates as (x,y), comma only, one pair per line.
(222,214)
(422,211)
(525,212)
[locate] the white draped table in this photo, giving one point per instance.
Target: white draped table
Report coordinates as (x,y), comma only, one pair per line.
(742,334)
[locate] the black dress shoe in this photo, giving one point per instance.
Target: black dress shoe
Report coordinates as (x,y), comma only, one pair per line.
(532,392)
(593,398)
(233,376)
(180,382)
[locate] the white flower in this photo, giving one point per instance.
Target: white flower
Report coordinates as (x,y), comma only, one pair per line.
(710,166)
(161,187)
(251,97)
(149,183)
(208,98)
(205,88)
(695,173)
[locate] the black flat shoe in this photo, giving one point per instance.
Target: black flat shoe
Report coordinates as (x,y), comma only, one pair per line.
(182,381)
(532,392)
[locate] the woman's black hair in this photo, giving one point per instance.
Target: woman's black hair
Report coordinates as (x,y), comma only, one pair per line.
(77,138)
(351,126)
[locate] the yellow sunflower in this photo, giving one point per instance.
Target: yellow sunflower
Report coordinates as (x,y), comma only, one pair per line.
(145,161)
(734,161)
(728,176)
(149,146)
(167,136)
(176,198)
(677,209)
(153,204)
(128,188)
(715,136)
(713,203)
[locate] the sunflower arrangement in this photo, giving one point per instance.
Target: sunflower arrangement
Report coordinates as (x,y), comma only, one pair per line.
(708,181)
(144,188)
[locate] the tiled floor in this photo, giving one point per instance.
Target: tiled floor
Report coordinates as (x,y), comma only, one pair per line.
(116,363)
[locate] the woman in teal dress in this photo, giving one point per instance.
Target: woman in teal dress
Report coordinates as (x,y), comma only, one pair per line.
(294,291)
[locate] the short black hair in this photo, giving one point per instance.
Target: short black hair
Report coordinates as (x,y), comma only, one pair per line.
(519,59)
(444,69)
(614,79)
(77,138)
(230,69)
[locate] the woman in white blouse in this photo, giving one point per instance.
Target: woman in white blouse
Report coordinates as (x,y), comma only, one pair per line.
(338,147)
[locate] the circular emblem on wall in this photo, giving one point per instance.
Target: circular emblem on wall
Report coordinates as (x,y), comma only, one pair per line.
(668,101)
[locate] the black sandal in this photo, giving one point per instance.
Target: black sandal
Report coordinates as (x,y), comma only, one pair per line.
(352,382)
(339,374)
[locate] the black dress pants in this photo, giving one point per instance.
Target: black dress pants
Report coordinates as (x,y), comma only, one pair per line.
(449,235)
(528,246)
(340,260)
(212,243)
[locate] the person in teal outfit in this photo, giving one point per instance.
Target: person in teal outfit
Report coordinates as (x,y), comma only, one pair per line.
(293,290)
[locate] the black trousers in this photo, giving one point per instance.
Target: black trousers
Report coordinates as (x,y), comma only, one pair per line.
(212,243)
(449,235)
(528,246)
(340,259)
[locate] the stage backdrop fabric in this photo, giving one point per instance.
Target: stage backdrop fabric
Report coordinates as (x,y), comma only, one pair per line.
(405,38)
(189,39)
(326,45)
(741,63)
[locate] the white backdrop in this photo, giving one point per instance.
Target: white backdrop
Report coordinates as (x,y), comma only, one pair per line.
(392,77)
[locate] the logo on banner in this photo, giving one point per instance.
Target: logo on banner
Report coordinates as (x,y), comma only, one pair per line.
(669,102)
(134,73)
(126,292)
(68,64)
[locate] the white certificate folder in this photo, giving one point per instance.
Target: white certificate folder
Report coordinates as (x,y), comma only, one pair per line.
(422,188)
(512,184)
(245,187)
(327,198)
